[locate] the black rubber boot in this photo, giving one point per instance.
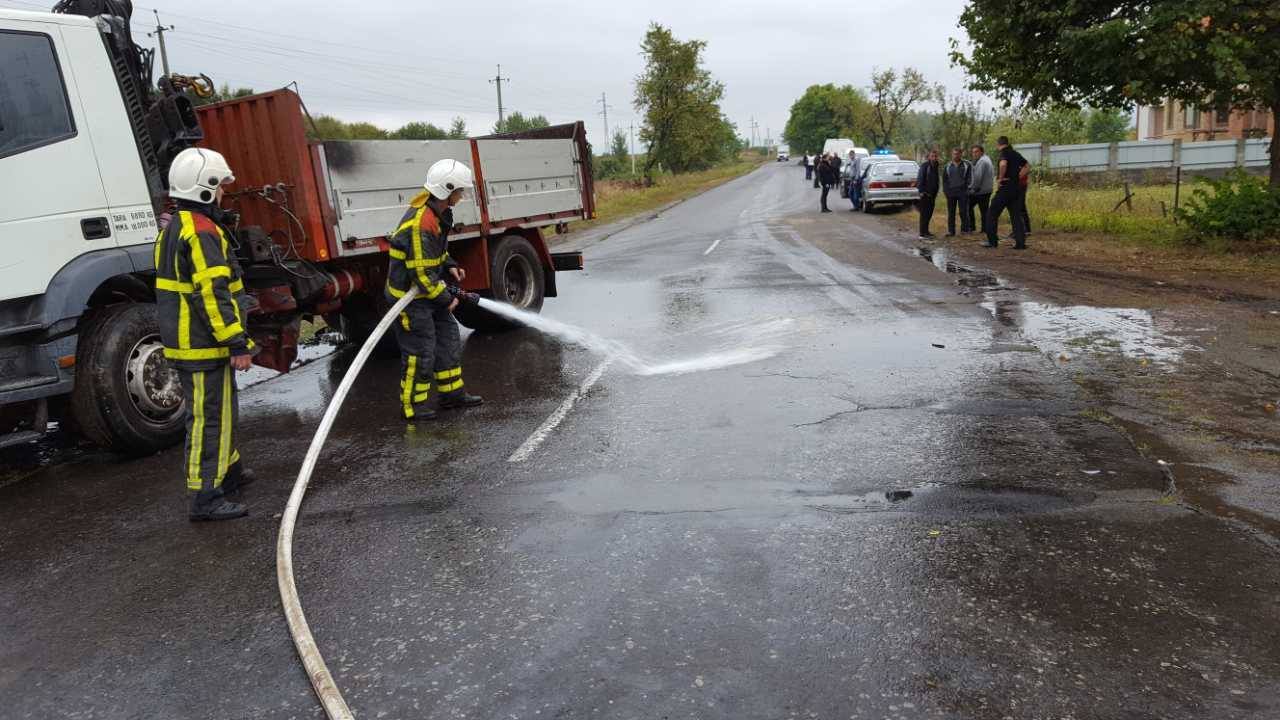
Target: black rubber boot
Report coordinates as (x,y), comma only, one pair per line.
(421,414)
(237,478)
(212,506)
(460,400)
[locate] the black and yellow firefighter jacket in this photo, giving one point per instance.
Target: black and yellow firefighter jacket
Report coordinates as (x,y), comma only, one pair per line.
(199,293)
(419,254)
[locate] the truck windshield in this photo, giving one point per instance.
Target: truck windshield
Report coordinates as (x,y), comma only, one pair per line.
(33,101)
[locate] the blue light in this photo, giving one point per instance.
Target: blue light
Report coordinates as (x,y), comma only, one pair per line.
(883,151)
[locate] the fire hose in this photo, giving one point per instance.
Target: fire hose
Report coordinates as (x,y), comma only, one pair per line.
(321,680)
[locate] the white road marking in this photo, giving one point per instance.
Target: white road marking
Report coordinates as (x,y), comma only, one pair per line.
(713,246)
(534,441)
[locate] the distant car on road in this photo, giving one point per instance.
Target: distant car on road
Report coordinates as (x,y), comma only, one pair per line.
(888,182)
(784,153)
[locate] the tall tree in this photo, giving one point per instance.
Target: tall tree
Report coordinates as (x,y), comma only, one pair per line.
(517,122)
(1107,125)
(419,131)
(458,129)
(683,127)
(892,94)
(826,111)
(619,148)
(1115,53)
(961,121)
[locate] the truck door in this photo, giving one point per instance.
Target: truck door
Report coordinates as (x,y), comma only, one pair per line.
(53,206)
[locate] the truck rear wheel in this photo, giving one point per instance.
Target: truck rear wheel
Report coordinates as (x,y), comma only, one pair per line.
(516,278)
(126,397)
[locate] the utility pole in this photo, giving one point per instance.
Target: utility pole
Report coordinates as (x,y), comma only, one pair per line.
(604,110)
(498,80)
(631,132)
(159,35)
(754,125)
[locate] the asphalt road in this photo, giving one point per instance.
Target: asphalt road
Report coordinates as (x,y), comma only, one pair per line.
(905,511)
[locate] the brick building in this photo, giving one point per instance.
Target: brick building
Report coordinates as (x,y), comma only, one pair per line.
(1191,124)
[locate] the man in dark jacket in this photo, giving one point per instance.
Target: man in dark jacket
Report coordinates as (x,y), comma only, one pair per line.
(1010,170)
(955,185)
(827,175)
(928,183)
(817,163)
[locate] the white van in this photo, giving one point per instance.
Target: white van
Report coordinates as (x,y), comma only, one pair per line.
(838,146)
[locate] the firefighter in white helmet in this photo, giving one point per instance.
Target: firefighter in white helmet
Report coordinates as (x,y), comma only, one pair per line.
(199,300)
(430,346)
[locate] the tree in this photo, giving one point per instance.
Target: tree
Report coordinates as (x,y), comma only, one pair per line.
(893,94)
(327,127)
(683,126)
(826,111)
(366,131)
(962,122)
(458,129)
(619,148)
(1108,125)
(1115,53)
(516,122)
(419,131)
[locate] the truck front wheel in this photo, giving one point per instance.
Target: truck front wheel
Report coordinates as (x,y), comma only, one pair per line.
(516,278)
(126,397)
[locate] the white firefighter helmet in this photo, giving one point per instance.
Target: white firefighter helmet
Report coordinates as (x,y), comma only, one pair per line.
(196,174)
(445,176)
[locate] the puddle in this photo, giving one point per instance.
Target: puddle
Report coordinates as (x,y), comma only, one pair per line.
(1076,329)
(965,275)
(968,500)
(322,345)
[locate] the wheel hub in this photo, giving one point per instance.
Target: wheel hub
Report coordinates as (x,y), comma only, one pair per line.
(153,385)
(518,277)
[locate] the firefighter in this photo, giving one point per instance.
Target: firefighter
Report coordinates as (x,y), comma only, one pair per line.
(430,347)
(200,300)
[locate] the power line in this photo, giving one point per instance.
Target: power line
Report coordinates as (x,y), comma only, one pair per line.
(604,110)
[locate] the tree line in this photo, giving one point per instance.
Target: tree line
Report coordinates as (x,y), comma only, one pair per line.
(888,114)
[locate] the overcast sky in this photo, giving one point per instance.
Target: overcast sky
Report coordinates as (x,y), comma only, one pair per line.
(393,61)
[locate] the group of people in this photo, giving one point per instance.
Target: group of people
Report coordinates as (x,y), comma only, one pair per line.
(202,309)
(824,171)
(981,185)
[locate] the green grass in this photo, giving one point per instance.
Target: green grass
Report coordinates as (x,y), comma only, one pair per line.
(1077,210)
(616,200)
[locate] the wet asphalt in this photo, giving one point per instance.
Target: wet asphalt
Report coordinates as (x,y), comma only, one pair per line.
(907,511)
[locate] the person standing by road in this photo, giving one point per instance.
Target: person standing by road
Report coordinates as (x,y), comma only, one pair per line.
(1012,168)
(955,184)
(430,347)
(199,304)
(827,176)
(855,181)
(1023,184)
(928,182)
(982,179)
(808,166)
(817,163)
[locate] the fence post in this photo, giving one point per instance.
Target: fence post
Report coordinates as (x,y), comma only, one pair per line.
(1241,151)
(1177,152)
(1046,152)
(1113,157)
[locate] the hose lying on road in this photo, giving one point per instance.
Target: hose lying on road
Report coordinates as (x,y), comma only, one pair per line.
(334,706)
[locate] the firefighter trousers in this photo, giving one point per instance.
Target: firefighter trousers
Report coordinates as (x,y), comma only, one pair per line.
(430,351)
(213,412)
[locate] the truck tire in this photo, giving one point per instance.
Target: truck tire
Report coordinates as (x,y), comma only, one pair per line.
(126,398)
(358,317)
(515,277)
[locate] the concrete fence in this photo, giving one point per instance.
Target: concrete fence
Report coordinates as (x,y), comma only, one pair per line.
(1212,155)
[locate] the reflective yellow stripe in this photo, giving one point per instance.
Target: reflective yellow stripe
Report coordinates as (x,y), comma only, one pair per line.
(174,286)
(404,321)
(421,387)
(434,291)
(214,272)
(397,254)
(449,387)
(236,286)
(224,434)
(419,256)
(184,322)
(427,262)
(406,386)
(235,456)
(197,353)
(197,430)
(422,398)
(446,374)
(156,262)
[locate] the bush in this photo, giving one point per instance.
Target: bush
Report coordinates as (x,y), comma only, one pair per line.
(1237,207)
